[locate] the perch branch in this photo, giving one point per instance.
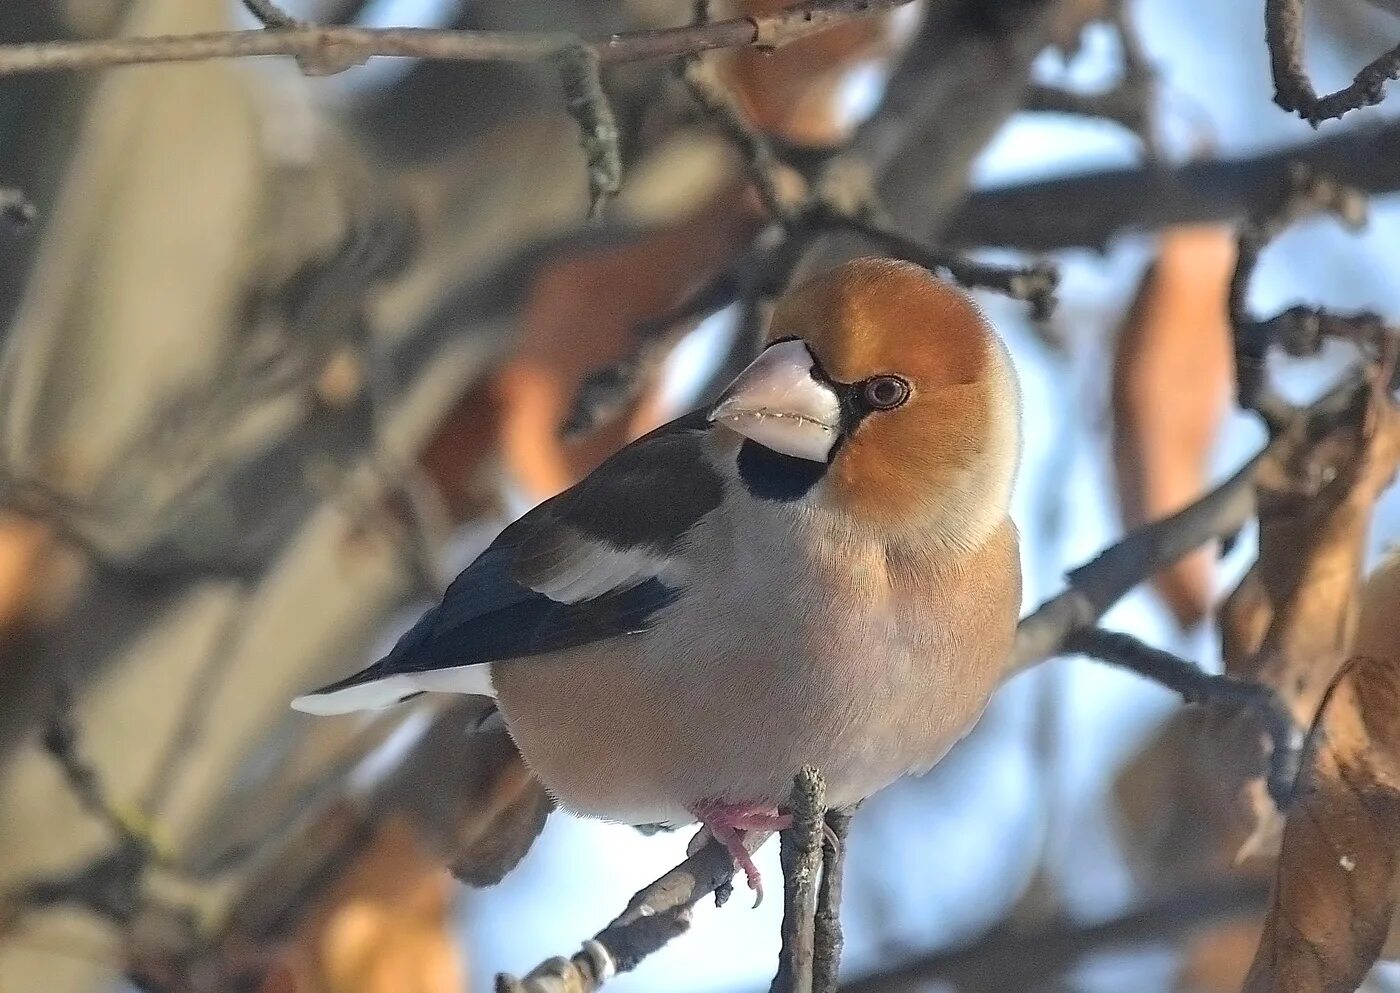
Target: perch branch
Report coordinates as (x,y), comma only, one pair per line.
(1293,90)
(655,915)
(1200,687)
(801,856)
(351,45)
(828,940)
(661,911)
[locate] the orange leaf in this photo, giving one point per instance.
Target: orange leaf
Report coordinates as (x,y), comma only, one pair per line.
(1335,891)
(797,91)
(1173,376)
(580,314)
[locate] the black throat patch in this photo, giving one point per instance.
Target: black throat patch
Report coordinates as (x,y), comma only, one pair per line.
(770,475)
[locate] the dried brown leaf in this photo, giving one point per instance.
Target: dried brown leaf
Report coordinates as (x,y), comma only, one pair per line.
(1176,332)
(1334,896)
(387,926)
(580,315)
(796,92)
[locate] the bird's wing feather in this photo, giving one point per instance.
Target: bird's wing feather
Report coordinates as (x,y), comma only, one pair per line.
(595,562)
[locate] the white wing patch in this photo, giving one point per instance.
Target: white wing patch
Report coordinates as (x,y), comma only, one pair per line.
(473,680)
(597,569)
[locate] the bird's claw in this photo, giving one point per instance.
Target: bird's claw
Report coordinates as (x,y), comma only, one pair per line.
(728,824)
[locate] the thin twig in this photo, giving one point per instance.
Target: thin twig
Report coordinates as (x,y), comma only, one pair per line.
(654,916)
(1200,687)
(1299,330)
(1293,89)
(801,856)
(352,45)
(1034,284)
(270,15)
(605,394)
(774,183)
(587,104)
(199,702)
(828,940)
(61,740)
(1130,102)
(1009,960)
(1101,582)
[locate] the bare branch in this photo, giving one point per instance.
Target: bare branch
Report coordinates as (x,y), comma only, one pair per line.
(588,105)
(1008,959)
(1293,90)
(653,917)
(1089,210)
(271,15)
(61,740)
(1198,686)
(346,46)
(770,177)
(607,392)
(801,857)
(1101,582)
(1034,284)
(828,939)
(1129,102)
(1306,192)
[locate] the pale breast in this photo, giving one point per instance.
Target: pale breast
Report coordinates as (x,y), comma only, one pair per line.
(832,650)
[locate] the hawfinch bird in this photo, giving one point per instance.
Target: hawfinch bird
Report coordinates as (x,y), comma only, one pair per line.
(818,570)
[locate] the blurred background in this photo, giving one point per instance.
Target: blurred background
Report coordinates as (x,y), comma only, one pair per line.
(282,353)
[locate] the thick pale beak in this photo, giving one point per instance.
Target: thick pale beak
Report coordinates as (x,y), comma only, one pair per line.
(778,403)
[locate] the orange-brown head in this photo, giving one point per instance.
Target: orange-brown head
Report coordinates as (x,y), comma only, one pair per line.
(891,394)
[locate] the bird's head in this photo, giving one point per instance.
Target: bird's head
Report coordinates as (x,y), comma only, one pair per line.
(883,392)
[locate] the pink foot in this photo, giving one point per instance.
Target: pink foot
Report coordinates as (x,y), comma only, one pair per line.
(727,823)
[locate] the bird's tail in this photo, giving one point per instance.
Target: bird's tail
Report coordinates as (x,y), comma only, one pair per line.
(374,688)
(365,690)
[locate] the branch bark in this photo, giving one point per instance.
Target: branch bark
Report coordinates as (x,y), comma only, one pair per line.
(1006,960)
(1293,90)
(1088,211)
(337,48)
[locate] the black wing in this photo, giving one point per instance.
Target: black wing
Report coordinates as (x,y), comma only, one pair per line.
(582,567)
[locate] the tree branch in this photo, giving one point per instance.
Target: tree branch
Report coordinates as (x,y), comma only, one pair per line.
(801,857)
(1293,90)
(828,939)
(653,917)
(587,104)
(1011,960)
(347,46)
(1101,582)
(1034,284)
(1300,329)
(1088,211)
(1195,685)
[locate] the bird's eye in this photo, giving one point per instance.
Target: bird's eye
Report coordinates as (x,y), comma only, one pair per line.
(885,392)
